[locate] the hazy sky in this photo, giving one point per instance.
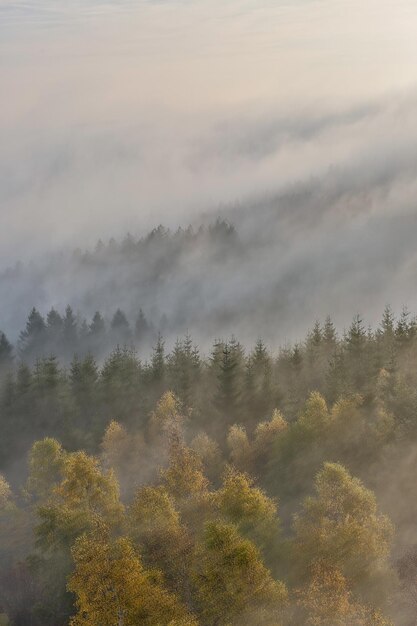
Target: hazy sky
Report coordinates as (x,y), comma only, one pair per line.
(116,115)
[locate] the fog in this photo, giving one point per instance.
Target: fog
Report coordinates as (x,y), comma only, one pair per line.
(294,120)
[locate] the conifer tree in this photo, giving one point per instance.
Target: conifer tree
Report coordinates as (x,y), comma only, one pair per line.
(54,327)
(70,333)
(120,329)
(6,353)
(142,328)
(229,381)
(97,326)
(31,341)
(329,332)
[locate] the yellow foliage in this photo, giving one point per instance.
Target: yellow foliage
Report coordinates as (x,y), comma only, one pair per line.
(155,526)
(84,494)
(209,453)
(240,448)
(315,415)
(115,445)
(153,509)
(84,484)
(167,415)
(340,526)
(266,432)
(5,494)
(186,483)
(112,588)
(184,476)
(327,601)
(248,507)
(46,463)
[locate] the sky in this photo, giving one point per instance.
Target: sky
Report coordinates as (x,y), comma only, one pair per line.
(119,115)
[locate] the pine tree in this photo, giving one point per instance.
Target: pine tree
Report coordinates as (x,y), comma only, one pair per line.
(402,330)
(6,353)
(228,391)
(184,370)
(70,333)
(387,322)
(54,326)
(157,367)
(31,341)
(120,329)
(142,328)
(259,398)
(97,326)
(97,335)
(121,387)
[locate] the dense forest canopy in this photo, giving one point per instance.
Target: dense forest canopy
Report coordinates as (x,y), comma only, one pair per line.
(234,488)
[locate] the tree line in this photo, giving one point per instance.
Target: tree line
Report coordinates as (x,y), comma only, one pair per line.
(64,335)
(106,287)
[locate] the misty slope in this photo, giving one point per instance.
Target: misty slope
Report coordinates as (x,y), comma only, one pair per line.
(288,258)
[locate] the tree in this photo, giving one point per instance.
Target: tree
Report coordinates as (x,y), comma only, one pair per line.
(142,328)
(84,376)
(233,585)
(266,435)
(403,328)
(46,466)
(341,527)
(120,328)
(31,340)
(157,367)
(84,494)
(229,380)
(6,353)
(54,327)
(5,494)
(209,452)
(113,588)
(241,454)
(164,542)
(329,333)
(258,388)
(70,333)
(327,601)
(185,481)
(184,370)
(97,334)
(387,322)
(250,510)
(120,384)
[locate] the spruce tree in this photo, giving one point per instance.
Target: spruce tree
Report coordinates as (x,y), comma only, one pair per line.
(70,333)
(142,328)
(120,329)
(6,353)
(32,339)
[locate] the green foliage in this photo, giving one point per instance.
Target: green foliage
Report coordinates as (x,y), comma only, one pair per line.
(234,587)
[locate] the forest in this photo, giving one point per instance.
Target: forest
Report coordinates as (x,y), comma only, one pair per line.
(241,487)
(208,326)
